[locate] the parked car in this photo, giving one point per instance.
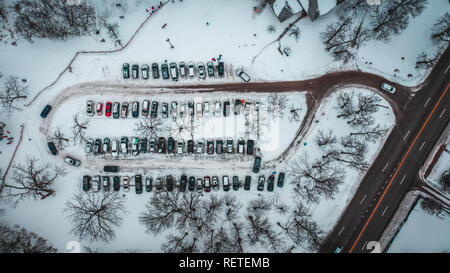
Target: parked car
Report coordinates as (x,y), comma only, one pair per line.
(191,108)
(126,183)
(159,184)
(138,183)
(226,108)
(174,109)
(257,164)
(221,69)
(86,183)
(45,111)
(199,110)
(191,69)
(134,146)
(190,146)
(241,144)
(165,110)
(219,146)
(182,109)
(183,183)
(124,145)
(155,71)
(114,148)
(169,183)
(217,108)
(206,109)
(124,112)
(174,71)
(72,161)
(241,74)
(135,71)
(105,183)
(165,71)
(182,69)
(215,183)
(90,108)
(247,183)
(145,107)
(110,169)
(280,181)
(270,182)
(235,183)
(200,145)
(99,108)
(210,67)
(135,109)
(210,146)
(98,146)
(116,183)
(226,183)
(191,183)
(89,146)
(144,70)
(154,109)
(207,183)
(247,106)
(180,146)
(52,148)
(250,147)
(108,109)
(170,145)
(96,184)
(106,145)
(116,110)
(161,145)
(148,183)
(152,145)
(143,145)
(126,71)
(230,145)
(388,88)
(199,185)
(201,70)
(261,181)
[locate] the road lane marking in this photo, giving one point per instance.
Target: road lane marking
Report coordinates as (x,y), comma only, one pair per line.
(442,113)
(399,167)
(341,231)
(447,69)
(403,179)
(364,246)
(384,211)
(363,199)
(407,134)
(421,146)
(426,103)
(387,164)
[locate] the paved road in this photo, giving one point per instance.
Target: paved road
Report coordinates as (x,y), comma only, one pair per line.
(396,168)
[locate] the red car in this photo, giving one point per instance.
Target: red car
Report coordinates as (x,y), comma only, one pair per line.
(108,109)
(207,184)
(99,108)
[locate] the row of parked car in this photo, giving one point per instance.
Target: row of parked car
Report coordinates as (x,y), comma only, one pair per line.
(198,109)
(191,183)
(160,145)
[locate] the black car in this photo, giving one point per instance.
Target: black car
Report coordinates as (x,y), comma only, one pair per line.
(235,183)
(191,185)
(161,145)
(154,109)
(116,183)
(191,108)
(210,146)
(138,183)
(261,181)
(280,182)
(190,147)
(237,106)
(135,71)
(155,71)
(105,183)
(111,169)
(226,183)
(248,180)
(183,182)
(226,108)
(45,111)
(135,109)
(219,146)
(98,146)
(170,145)
(250,147)
(143,145)
(221,69)
(165,71)
(86,182)
(126,71)
(270,182)
(257,164)
(169,183)
(148,183)
(210,67)
(52,148)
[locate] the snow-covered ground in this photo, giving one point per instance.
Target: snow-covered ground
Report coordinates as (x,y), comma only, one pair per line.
(423,233)
(441,166)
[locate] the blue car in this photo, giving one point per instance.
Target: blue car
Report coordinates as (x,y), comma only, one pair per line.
(45,111)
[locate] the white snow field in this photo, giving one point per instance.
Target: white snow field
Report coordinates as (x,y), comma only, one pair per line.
(423,233)
(441,166)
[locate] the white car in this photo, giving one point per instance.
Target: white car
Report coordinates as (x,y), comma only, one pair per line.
(89,146)
(182,109)
(174,109)
(388,88)
(201,70)
(198,110)
(200,145)
(144,70)
(180,145)
(115,148)
(191,71)
(206,109)
(126,183)
(72,161)
(96,183)
(241,74)
(90,108)
(217,108)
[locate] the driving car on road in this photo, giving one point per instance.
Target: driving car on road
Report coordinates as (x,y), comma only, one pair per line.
(52,148)
(241,74)
(72,161)
(388,88)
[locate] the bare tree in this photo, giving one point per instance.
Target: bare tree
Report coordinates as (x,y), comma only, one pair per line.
(295,32)
(59,139)
(295,113)
(325,139)
(182,243)
(359,115)
(32,180)
(94,216)
(371,134)
(425,62)
(261,231)
(79,128)
(13,91)
(277,104)
(441,31)
(19,240)
(353,153)
(149,127)
(183,128)
(431,206)
(444,181)
(113,31)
